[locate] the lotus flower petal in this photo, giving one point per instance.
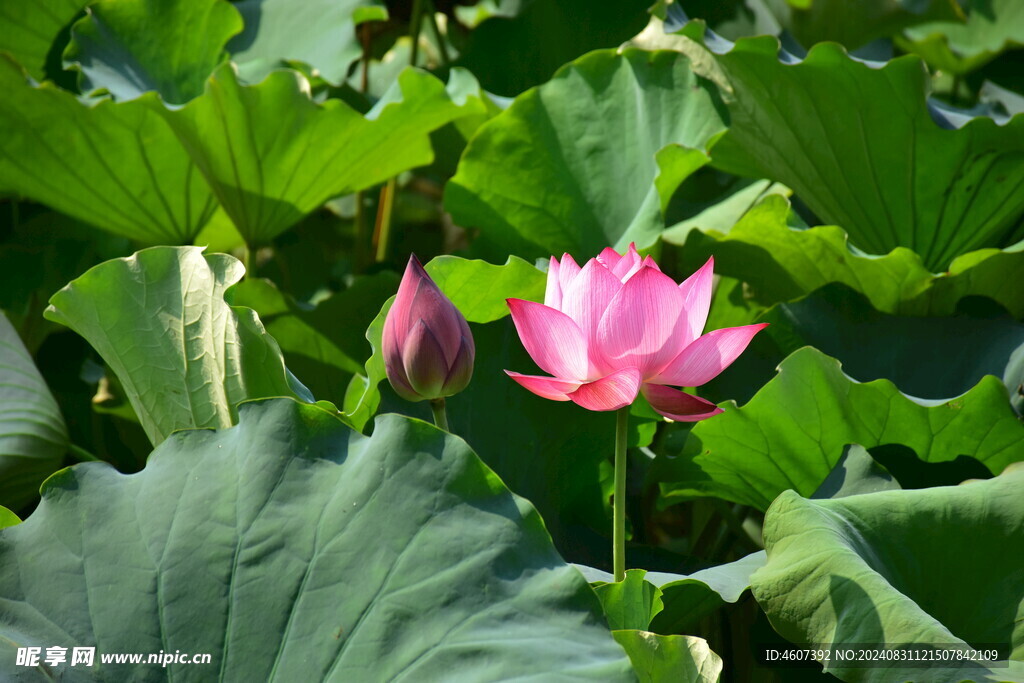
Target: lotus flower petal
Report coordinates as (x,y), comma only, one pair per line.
(462,368)
(644,324)
(553,290)
(424,361)
(628,265)
(608,258)
(546,387)
(585,301)
(568,270)
(552,339)
(615,391)
(696,291)
(704,359)
(418,299)
(678,405)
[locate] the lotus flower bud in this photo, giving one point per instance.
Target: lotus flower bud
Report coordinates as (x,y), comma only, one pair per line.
(428,348)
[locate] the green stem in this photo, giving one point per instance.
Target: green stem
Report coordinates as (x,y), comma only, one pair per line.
(384,210)
(247,260)
(414,29)
(432,18)
(440,415)
(82,454)
(619,501)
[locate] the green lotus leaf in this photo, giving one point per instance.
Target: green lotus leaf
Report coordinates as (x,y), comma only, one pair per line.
(512,53)
(630,603)
(479,289)
(28,30)
(992,26)
(682,659)
(781,263)
(184,356)
(574,165)
(115,165)
(792,433)
(130,47)
(266,181)
(320,33)
(33,437)
(861,145)
(931,566)
(291,548)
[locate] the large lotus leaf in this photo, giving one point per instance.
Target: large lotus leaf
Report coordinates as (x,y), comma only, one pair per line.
(572,165)
(130,47)
(681,659)
(512,53)
(159,320)
(29,29)
(930,566)
(291,548)
(859,143)
(325,347)
(33,437)
(267,181)
(61,152)
(781,263)
(320,33)
(792,433)
(924,357)
(959,47)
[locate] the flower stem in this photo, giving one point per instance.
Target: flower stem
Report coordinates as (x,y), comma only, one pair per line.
(382,231)
(432,19)
(414,30)
(440,416)
(619,500)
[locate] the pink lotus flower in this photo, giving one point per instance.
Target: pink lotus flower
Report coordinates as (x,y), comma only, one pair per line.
(619,326)
(427,346)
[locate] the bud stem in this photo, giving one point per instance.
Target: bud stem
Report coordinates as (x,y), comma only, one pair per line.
(619,501)
(440,416)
